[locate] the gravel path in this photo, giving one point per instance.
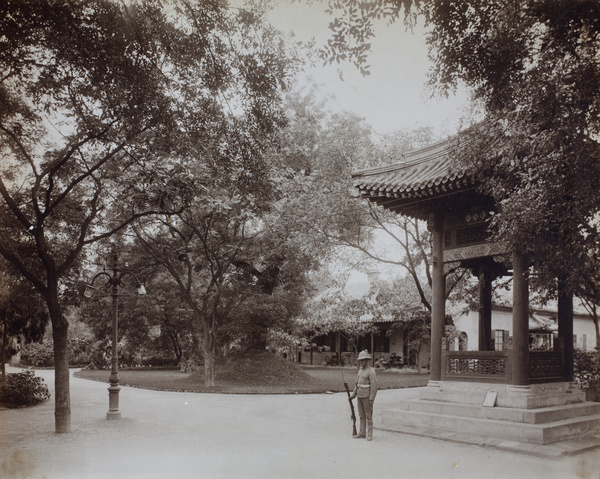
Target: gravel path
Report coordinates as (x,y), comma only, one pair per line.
(190,435)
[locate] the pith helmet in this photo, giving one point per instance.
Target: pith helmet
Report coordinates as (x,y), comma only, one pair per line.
(364,355)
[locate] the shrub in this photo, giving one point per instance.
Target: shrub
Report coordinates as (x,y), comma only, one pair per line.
(188,365)
(160,361)
(587,373)
(23,389)
(80,351)
(38,355)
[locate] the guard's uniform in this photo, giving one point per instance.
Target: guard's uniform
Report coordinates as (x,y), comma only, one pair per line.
(365,391)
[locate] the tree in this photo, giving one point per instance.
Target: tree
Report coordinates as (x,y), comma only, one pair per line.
(589,292)
(22,312)
(236,263)
(340,144)
(307,327)
(323,149)
(167,313)
(273,272)
(197,249)
(407,235)
(100,102)
(534,71)
(275,262)
(399,301)
(335,311)
(140,317)
(349,319)
(537,152)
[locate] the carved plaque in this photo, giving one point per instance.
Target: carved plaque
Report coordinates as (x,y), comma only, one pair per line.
(475,251)
(467,236)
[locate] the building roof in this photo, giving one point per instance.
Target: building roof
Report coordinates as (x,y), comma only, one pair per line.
(541,324)
(409,185)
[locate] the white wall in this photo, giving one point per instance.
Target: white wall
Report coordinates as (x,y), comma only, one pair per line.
(468,324)
(503,320)
(585,327)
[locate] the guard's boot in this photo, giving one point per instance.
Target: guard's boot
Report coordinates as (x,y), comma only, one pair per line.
(362,427)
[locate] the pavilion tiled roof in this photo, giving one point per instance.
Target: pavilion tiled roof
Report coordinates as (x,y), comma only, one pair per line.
(423,174)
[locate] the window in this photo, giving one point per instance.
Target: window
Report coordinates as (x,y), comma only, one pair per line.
(463,344)
(500,339)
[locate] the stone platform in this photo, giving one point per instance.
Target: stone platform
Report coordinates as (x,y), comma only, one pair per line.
(505,395)
(525,419)
(564,448)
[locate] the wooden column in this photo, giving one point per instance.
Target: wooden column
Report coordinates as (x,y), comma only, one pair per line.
(565,327)
(485,309)
(372,350)
(438,305)
(520,323)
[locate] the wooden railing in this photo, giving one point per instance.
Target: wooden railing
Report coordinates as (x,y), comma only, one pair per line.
(495,366)
(546,366)
(478,366)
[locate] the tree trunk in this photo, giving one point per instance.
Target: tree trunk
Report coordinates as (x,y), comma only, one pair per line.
(3,352)
(257,340)
(209,357)
(176,346)
(597,328)
(62,397)
(209,377)
(595,319)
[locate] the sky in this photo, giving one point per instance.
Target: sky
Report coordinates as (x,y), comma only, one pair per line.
(394,97)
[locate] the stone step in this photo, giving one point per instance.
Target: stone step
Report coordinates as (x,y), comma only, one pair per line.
(530,416)
(546,433)
(568,447)
(535,396)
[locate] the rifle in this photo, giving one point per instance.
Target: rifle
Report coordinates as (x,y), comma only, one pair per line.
(352,414)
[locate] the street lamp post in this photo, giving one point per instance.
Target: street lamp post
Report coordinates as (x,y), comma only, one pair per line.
(114,280)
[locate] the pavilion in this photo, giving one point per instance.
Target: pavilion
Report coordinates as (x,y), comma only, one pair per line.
(516,394)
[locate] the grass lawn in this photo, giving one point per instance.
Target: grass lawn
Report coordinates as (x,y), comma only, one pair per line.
(296,379)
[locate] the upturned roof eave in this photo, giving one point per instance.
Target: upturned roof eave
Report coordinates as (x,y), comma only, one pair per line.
(424,173)
(410,159)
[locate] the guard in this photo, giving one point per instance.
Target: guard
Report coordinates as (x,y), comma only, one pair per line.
(365,391)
